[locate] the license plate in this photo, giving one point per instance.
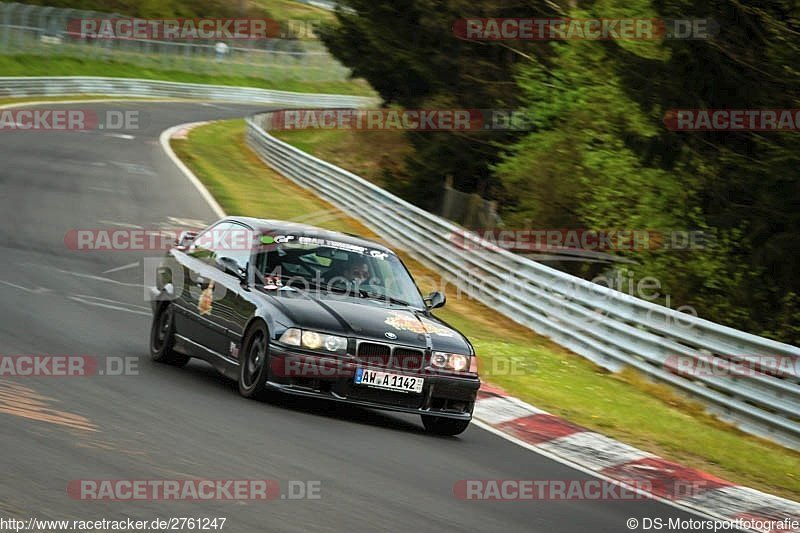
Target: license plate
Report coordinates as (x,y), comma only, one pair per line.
(385,380)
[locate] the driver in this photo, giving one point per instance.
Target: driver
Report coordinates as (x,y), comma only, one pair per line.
(357,270)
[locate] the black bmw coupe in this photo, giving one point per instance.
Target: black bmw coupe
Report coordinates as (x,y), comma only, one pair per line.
(307,311)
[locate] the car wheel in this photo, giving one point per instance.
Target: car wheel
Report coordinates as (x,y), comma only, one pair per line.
(162,339)
(254,365)
(444,426)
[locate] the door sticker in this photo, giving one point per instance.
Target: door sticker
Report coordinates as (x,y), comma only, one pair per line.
(206,300)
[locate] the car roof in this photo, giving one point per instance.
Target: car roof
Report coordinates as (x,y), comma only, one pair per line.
(270,226)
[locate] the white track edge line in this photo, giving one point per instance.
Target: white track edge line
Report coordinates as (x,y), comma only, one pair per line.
(164,139)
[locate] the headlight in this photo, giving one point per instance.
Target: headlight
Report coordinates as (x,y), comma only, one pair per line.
(313,340)
(451,361)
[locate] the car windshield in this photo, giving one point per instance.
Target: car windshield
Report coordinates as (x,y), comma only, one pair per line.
(334,266)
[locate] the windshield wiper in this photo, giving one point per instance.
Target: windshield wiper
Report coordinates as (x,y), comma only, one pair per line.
(384,297)
(302,282)
(363,293)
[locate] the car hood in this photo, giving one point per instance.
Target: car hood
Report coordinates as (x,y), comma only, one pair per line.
(369,319)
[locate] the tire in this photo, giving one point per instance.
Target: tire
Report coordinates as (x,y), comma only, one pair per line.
(162,339)
(254,367)
(444,426)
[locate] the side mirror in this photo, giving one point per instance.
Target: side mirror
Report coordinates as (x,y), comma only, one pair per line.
(230,266)
(185,239)
(435,299)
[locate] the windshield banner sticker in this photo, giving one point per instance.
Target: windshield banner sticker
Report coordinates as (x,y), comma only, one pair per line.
(316,241)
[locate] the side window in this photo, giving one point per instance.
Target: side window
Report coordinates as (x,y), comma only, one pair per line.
(236,243)
(224,240)
(204,244)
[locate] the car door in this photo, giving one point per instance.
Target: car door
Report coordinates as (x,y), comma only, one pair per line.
(203,287)
(234,304)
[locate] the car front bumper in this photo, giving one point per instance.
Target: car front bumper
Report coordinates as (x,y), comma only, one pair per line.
(331,378)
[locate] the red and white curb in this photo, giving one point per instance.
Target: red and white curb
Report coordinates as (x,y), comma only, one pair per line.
(616,461)
(181,131)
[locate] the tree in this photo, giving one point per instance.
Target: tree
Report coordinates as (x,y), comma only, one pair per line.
(601,156)
(408,52)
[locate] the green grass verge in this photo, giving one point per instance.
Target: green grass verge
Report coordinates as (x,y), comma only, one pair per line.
(33,65)
(283,10)
(623,406)
(369,154)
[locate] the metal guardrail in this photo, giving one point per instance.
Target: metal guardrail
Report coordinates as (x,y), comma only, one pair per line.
(327,5)
(131,87)
(609,327)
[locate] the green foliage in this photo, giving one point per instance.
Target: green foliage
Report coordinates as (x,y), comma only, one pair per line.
(600,157)
(409,54)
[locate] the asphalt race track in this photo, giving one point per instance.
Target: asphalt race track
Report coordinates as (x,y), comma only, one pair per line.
(376,471)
